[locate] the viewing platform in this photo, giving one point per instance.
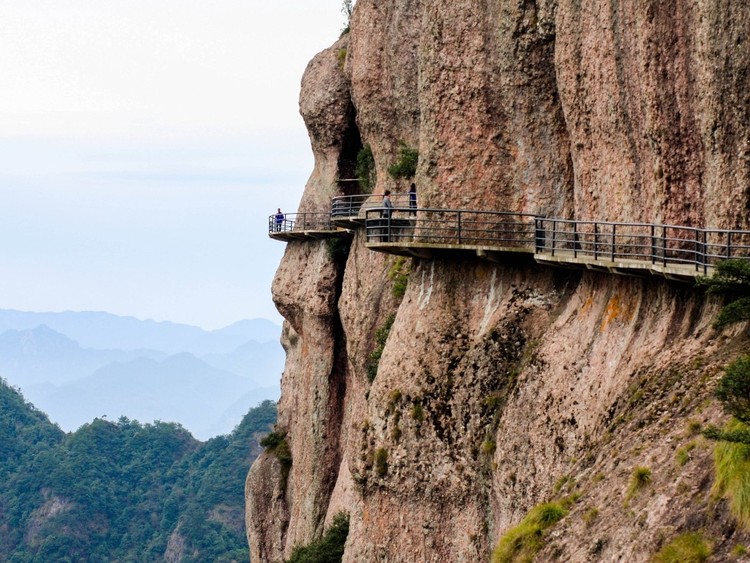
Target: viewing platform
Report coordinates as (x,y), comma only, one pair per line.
(304,226)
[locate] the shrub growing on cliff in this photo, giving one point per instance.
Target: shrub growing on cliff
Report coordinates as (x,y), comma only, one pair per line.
(732,277)
(327,549)
(524,541)
(640,478)
(276,443)
(381,335)
(733,391)
(399,275)
(685,548)
(338,249)
(381,461)
(406,165)
(365,169)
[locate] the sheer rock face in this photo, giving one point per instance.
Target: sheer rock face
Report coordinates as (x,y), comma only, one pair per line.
(656,100)
(501,385)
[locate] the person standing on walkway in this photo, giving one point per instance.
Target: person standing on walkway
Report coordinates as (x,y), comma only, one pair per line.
(413,199)
(385,214)
(387,205)
(279,217)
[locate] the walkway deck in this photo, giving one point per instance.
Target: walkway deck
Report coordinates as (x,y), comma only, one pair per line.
(304,226)
(635,249)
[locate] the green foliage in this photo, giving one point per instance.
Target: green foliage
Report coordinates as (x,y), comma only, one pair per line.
(406,165)
(639,479)
(327,549)
(417,411)
(338,249)
(341,57)
(690,547)
(731,277)
(399,275)
(381,461)
(276,443)
(381,335)
(488,446)
(365,169)
(272,439)
(124,487)
(732,476)
(734,389)
(522,543)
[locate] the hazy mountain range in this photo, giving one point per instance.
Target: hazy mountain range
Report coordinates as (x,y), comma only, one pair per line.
(78,366)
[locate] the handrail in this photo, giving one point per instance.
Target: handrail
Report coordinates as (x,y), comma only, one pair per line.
(659,244)
(678,250)
(451,227)
(300,222)
(618,244)
(351,205)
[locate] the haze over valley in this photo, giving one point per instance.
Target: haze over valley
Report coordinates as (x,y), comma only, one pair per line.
(77,366)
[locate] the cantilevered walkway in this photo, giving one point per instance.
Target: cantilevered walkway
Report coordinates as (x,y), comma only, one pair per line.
(304,226)
(672,251)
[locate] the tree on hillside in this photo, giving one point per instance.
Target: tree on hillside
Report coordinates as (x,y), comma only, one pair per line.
(118,491)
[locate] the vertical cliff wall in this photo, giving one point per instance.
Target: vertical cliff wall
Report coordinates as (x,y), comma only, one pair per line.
(502,385)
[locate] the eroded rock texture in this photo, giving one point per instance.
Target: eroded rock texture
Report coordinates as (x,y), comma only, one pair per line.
(503,385)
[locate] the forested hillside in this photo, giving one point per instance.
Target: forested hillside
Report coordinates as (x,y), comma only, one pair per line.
(121,491)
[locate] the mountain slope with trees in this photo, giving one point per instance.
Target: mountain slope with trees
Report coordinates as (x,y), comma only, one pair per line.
(122,491)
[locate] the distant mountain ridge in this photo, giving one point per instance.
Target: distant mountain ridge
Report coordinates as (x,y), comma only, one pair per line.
(170,372)
(106,331)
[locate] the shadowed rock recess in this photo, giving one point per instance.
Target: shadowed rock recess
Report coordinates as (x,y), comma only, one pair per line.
(504,385)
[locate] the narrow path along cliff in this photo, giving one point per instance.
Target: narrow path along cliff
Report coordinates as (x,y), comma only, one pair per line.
(440,398)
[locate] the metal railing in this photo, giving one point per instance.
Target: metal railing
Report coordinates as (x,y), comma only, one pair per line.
(451,227)
(613,244)
(655,244)
(300,222)
(345,206)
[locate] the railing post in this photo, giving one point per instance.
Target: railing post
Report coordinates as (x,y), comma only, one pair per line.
(554,235)
(653,244)
(538,235)
(575,239)
(614,240)
(729,245)
(664,244)
(596,241)
(702,255)
(459,227)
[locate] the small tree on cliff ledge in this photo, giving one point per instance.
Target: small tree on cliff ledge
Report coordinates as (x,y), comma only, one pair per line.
(732,278)
(406,165)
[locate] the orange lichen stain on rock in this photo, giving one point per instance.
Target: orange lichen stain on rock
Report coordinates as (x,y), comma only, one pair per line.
(616,309)
(586,305)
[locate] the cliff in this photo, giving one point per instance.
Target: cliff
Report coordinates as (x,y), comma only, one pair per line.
(504,385)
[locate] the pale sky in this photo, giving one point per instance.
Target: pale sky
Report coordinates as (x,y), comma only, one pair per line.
(143,144)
